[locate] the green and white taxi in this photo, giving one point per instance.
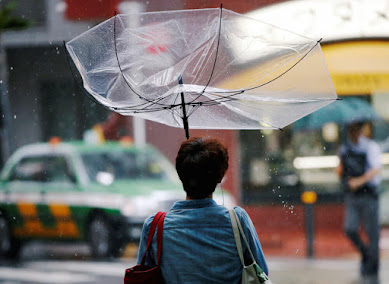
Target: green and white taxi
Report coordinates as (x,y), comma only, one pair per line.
(72,191)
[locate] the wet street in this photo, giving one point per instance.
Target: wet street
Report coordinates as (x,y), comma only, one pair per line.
(283,270)
(42,263)
(64,271)
(65,263)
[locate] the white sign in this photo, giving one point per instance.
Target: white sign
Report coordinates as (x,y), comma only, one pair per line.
(329,19)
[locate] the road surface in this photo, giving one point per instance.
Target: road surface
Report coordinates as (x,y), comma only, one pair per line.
(71,264)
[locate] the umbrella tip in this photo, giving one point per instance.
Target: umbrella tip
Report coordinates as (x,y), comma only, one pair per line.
(180,80)
(221,5)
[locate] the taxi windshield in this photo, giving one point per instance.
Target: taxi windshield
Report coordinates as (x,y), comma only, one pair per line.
(124,165)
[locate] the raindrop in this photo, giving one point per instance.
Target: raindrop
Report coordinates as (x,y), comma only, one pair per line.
(291,211)
(297,250)
(11,68)
(324,148)
(1,81)
(15,116)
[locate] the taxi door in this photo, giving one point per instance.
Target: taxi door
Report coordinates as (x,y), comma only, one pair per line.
(36,214)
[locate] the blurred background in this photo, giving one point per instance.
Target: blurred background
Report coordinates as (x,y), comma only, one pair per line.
(270,170)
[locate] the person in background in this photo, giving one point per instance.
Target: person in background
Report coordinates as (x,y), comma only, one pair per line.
(360,165)
(198,241)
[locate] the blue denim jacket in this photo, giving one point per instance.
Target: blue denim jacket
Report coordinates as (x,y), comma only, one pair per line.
(198,244)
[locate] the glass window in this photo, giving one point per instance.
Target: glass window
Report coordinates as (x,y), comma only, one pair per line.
(267,172)
(128,165)
(42,169)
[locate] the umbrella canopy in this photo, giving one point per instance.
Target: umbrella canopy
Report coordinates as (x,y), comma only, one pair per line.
(344,111)
(176,68)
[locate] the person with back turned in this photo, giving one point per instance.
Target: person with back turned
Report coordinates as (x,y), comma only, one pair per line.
(198,241)
(360,165)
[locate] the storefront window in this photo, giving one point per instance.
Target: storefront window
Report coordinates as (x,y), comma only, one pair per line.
(284,163)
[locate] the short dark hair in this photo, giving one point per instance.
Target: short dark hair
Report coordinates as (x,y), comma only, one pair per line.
(201,164)
(355,126)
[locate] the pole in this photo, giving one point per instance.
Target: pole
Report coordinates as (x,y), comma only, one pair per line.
(184,115)
(309,199)
(309,227)
(139,123)
(5,106)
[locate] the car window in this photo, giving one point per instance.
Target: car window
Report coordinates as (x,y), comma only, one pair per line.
(127,165)
(42,169)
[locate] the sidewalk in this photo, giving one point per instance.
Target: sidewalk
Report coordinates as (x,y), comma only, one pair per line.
(327,244)
(335,261)
(320,271)
(340,269)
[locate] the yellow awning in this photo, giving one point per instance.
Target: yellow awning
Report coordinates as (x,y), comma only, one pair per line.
(358,67)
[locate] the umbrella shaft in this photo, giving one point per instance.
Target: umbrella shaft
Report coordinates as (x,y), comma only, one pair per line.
(184,117)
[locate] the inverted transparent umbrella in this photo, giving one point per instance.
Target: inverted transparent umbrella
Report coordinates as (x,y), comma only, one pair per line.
(202,69)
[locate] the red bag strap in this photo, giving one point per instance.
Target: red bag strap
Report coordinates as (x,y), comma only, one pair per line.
(153,226)
(160,235)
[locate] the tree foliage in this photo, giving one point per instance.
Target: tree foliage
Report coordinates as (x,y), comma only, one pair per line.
(10,21)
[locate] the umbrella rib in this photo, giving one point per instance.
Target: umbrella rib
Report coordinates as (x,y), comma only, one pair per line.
(265,99)
(120,67)
(259,120)
(217,52)
(138,107)
(279,76)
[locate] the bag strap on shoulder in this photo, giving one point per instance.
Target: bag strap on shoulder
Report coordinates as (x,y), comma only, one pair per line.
(160,216)
(238,231)
(237,228)
(236,235)
(160,235)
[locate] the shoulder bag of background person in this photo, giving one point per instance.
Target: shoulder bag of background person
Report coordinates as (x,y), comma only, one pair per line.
(142,273)
(253,273)
(354,164)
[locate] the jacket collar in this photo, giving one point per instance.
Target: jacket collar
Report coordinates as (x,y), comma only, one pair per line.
(195,203)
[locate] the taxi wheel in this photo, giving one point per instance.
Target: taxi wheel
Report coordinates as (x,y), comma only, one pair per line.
(9,247)
(102,238)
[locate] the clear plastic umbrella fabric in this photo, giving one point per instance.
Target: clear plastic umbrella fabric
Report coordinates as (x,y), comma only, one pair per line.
(216,68)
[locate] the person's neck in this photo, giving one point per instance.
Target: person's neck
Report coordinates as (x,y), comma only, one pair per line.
(355,140)
(188,198)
